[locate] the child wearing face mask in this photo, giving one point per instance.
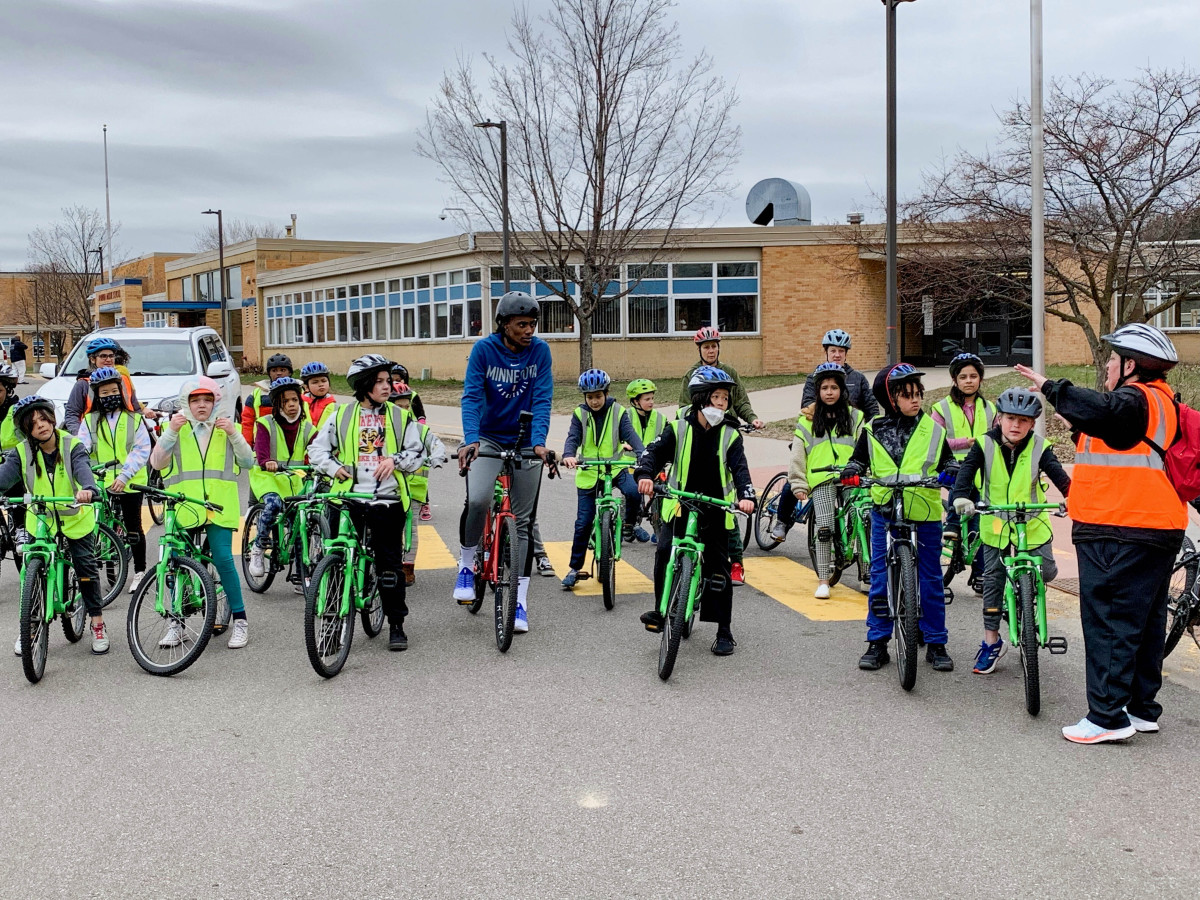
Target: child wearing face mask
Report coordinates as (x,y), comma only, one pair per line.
(281,438)
(112,432)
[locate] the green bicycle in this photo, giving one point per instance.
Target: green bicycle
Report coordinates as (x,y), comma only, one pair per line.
(49,588)
(172,614)
(300,532)
(851,536)
(1025,596)
(605,542)
(957,556)
(343,582)
(112,540)
(680,597)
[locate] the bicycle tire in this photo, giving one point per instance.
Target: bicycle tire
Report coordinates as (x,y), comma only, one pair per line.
(372,612)
(863,554)
(35,630)
(765,514)
(481,586)
(154,480)
(672,626)
(1029,643)
(328,651)
(747,529)
(74,618)
(113,557)
(1181,601)
(505,589)
(249,535)
(318,533)
(606,566)
(810,526)
(191,585)
(908,613)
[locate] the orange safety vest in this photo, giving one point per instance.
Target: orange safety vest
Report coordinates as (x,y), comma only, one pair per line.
(1129,487)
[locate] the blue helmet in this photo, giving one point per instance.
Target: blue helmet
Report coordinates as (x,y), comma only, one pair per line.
(95,345)
(279,385)
(705,378)
(594,380)
(963,360)
(102,375)
(902,372)
(313,370)
(828,368)
(835,337)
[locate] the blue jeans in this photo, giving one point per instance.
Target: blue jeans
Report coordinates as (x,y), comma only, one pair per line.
(928,537)
(272,507)
(587,514)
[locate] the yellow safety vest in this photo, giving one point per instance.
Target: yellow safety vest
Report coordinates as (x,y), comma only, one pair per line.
(957,426)
(8,433)
(919,462)
(346,427)
(830,450)
(285,484)
(75,523)
(207,476)
(597,446)
(1024,485)
(677,477)
(109,444)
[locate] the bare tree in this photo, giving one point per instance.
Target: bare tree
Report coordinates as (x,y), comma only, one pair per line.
(237,230)
(617,144)
(1122,202)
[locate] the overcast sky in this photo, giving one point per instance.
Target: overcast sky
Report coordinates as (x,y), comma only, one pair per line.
(269,107)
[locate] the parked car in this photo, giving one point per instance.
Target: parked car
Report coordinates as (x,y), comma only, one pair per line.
(160,361)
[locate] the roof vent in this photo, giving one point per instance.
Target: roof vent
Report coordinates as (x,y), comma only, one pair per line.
(854,218)
(776,199)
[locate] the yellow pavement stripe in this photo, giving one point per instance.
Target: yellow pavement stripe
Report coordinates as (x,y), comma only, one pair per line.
(629,579)
(792,584)
(432,552)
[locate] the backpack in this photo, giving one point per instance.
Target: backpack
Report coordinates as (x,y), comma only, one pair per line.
(1181,460)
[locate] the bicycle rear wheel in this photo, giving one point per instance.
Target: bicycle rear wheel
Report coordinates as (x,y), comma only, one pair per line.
(75,616)
(766,514)
(908,613)
(113,558)
(35,630)
(328,636)
(606,566)
(372,613)
(507,574)
(1028,635)
(672,628)
(154,480)
(1182,603)
(166,643)
(317,527)
(250,532)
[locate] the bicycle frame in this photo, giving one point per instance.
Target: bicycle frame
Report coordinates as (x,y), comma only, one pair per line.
(175,540)
(854,516)
(899,531)
(45,546)
(1020,561)
(688,545)
(291,522)
(605,501)
(345,541)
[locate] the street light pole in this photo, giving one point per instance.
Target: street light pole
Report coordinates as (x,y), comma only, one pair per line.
(221,265)
(893,351)
(503,126)
(37,320)
(470,230)
(1037,168)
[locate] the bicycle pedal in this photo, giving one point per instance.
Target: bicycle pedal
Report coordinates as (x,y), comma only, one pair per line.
(717,583)
(949,596)
(1057,645)
(388,580)
(470,602)
(582,576)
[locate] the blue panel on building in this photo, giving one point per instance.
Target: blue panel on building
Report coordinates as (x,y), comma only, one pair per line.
(474,291)
(737,285)
(693,285)
(409,298)
(393,300)
(353,303)
(498,287)
(287,310)
(423,296)
(439,294)
(341,306)
(456,292)
(308,309)
(380,301)
(651,286)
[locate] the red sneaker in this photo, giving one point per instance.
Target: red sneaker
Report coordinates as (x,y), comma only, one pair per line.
(738,574)
(426,514)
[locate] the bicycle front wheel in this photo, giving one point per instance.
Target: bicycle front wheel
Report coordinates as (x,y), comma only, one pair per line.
(75,616)
(1028,633)
(766,514)
(673,626)
(606,566)
(167,642)
(154,480)
(908,613)
(1182,605)
(114,563)
(328,632)
(35,630)
(250,533)
(507,577)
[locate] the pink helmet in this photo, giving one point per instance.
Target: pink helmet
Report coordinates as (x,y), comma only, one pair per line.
(202,385)
(706,334)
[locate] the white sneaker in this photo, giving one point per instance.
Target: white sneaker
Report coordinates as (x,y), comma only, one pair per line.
(822,592)
(521,621)
(173,636)
(257,568)
(464,587)
(1140,725)
(240,636)
(17,647)
(779,533)
(135,581)
(99,638)
(1085,731)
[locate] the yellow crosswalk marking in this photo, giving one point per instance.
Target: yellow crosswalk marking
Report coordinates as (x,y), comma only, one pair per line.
(792,584)
(432,552)
(629,579)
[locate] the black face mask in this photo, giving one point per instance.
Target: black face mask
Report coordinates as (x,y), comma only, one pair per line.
(110,404)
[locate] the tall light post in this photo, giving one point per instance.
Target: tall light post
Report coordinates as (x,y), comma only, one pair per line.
(1037,184)
(503,126)
(221,264)
(893,352)
(87,256)
(37,320)
(470,231)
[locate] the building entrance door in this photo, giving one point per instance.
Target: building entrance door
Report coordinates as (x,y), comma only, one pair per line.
(998,342)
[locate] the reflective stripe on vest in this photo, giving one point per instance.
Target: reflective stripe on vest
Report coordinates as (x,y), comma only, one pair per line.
(283,484)
(1130,488)
(921,456)
(76,522)
(830,450)
(1023,485)
(418,482)
(207,476)
(677,477)
(957,426)
(105,442)
(655,423)
(396,421)
(8,433)
(597,446)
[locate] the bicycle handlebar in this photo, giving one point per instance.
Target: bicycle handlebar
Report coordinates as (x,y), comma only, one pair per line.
(1060,509)
(617,462)
(36,500)
(175,497)
(663,490)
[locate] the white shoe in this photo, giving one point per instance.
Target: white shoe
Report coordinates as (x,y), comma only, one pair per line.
(17,647)
(173,636)
(240,636)
(464,587)
(520,621)
(1085,731)
(822,592)
(99,638)
(779,533)
(257,568)
(135,581)
(1140,725)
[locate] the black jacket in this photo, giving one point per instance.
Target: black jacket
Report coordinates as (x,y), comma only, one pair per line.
(857,389)
(964,484)
(703,474)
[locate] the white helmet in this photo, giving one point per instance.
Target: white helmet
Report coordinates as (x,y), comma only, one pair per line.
(1144,344)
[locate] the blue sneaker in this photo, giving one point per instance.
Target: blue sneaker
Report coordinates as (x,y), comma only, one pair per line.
(641,534)
(521,623)
(569,579)
(464,587)
(988,656)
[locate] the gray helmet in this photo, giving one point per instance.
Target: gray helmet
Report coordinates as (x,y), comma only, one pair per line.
(515,303)
(1019,402)
(1144,344)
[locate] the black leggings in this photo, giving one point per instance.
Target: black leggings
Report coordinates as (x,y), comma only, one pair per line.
(387,548)
(715,606)
(131,512)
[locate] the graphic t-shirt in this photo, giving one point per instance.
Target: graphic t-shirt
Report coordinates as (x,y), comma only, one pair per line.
(371,426)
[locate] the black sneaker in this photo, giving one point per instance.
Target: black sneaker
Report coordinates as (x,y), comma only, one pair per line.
(936,656)
(876,656)
(653,620)
(397,639)
(724,644)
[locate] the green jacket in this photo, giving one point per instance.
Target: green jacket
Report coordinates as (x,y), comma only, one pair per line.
(740,400)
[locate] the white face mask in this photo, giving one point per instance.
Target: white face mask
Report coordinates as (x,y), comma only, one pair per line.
(713,415)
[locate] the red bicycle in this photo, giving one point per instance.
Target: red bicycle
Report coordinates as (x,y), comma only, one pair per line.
(496,561)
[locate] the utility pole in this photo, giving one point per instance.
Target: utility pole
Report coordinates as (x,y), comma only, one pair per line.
(1037,179)
(503,126)
(107,210)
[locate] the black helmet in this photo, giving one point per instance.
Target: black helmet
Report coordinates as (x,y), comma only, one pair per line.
(963,360)
(515,303)
(364,370)
(24,409)
(398,369)
(1019,402)
(280,360)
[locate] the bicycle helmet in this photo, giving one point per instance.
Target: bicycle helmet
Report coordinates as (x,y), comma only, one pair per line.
(364,370)
(963,360)
(398,369)
(1019,402)
(706,334)
(705,378)
(515,303)
(401,391)
(639,386)
(280,361)
(836,337)
(280,385)
(1145,345)
(594,380)
(24,408)
(95,345)
(829,369)
(902,372)
(103,375)
(313,370)
(8,375)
